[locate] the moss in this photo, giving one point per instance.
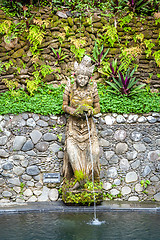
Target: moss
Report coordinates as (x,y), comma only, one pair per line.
(70,22)
(97,25)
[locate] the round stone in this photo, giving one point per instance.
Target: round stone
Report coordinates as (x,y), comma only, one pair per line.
(44,196)
(113,159)
(7,166)
(107,185)
(28,193)
(109,120)
(139,147)
(3,140)
(142,119)
(106,133)
(60,154)
(154,179)
(109,154)
(131,177)
(7,194)
(132,118)
(125,190)
(32,199)
(3,153)
(151,119)
(120,119)
(31,122)
(138,188)
(35,136)
(120,135)
(114,192)
(18,142)
(53,194)
(14,181)
(121,148)
(117,182)
(42,123)
(25,116)
(50,137)
(28,146)
(35,117)
(133,199)
(18,170)
(146,171)
(153,155)
(103,142)
(131,155)
(135,164)
(42,146)
(32,170)
(124,164)
(54,147)
(112,172)
(136,136)
(157,197)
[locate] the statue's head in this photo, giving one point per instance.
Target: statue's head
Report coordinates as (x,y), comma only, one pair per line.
(83,71)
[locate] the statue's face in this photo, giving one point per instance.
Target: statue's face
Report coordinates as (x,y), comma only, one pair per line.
(82,80)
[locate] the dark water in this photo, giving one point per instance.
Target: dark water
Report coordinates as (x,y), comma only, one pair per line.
(73,226)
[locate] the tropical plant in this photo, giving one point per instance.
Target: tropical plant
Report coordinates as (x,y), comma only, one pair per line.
(35,37)
(157,57)
(125,84)
(59,55)
(98,54)
(78,52)
(111,70)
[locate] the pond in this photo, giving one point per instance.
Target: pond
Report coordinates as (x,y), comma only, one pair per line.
(75,226)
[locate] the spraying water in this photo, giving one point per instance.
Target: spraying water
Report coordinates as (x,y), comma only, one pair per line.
(95,220)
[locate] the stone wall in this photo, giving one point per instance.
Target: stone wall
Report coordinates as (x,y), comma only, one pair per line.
(75,28)
(31,145)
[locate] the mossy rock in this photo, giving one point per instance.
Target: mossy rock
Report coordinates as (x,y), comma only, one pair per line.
(114,51)
(70,21)
(89,29)
(19,53)
(74,28)
(55,18)
(97,25)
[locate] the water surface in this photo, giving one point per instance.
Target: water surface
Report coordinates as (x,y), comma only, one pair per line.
(74,226)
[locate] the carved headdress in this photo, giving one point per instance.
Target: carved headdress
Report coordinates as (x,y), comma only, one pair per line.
(85,67)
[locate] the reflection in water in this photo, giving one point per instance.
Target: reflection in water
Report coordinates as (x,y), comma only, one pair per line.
(73,226)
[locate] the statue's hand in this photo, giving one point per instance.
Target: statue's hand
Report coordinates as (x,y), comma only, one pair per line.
(90,113)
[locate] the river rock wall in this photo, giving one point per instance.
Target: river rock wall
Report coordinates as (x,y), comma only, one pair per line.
(32,145)
(66,31)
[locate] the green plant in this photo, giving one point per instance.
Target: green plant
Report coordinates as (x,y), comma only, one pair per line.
(125,83)
(129,56)
(125,20)
(59,137)
(11,85)
(157,57)
(98,54)
(59,55)
(149,45)
(78,52)
(35,37)
(144,184)
(111,34)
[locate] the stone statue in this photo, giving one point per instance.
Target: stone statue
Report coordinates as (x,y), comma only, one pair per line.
(81,98)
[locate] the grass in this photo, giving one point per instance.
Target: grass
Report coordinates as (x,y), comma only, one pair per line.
(48,100)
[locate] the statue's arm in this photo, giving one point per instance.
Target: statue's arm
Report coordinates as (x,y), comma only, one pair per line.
(66,100)
(96,104)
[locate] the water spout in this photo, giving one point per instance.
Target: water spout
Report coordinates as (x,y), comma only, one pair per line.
(91,156)
(95,220)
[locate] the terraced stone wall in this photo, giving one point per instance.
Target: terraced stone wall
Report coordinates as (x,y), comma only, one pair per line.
(32,145)
(74,28)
